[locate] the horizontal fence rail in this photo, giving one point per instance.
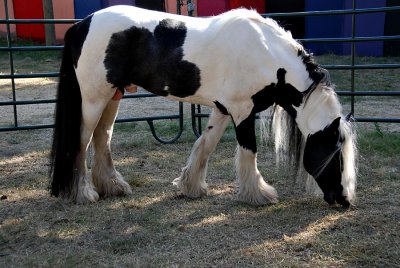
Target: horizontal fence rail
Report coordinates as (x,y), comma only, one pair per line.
(352,93)
(353,11)
(196,113)
(10,48)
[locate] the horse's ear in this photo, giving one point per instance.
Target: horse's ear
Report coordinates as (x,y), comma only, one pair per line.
(334,126)
(349,117)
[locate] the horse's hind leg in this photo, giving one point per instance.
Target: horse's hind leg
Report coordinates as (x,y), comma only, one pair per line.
(107,180)
(91,113)
(192,180)
(252,187)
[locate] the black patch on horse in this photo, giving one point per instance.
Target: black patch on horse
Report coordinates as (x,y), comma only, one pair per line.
(264,98)
(281,93)
(325,145)
(170,34)
(221,108)
(287,95)
(80,31)
(153,61)
(245,133)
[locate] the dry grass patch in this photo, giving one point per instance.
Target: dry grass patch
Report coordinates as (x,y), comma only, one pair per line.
(157,226)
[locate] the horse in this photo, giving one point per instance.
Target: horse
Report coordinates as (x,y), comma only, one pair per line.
(238,63)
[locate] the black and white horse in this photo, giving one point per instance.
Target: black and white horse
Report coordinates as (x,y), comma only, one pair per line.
(238,63)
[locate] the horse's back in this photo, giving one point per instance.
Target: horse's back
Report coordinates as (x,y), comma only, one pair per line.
(199,60)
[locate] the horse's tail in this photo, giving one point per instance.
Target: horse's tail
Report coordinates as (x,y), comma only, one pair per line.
(68,114)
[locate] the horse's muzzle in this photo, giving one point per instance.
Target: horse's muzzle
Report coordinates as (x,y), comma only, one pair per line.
(331,198)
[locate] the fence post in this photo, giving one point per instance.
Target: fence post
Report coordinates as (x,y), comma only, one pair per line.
(49,29)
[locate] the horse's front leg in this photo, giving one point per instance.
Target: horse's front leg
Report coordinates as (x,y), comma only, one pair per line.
(252,187)
(107,180)
(192,181)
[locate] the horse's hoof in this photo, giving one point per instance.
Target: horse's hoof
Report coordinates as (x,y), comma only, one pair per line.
(87,197)
(191,191)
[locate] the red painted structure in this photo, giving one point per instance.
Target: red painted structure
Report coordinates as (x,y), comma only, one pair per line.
(211,7)
(258,5)
(32,9)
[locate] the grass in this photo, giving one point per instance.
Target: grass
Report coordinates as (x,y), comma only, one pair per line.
(156,226)
(29,61)
(387,144)
(364,80)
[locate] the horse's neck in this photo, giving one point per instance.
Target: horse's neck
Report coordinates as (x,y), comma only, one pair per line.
(320,109)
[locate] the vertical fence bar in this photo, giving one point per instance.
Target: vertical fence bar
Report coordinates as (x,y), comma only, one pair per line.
(11,58)
(353,52)
(49,28)
(178,7)
(199,119)
(190,8)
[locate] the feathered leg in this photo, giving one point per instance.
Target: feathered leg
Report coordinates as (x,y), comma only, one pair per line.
(107,180)
(192,180)
(252,187)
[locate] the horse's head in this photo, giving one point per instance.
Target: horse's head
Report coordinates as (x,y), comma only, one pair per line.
(329,151)
(323,160)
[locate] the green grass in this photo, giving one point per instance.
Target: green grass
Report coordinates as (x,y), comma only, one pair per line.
(384,79)
(29,61)
(380,143)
